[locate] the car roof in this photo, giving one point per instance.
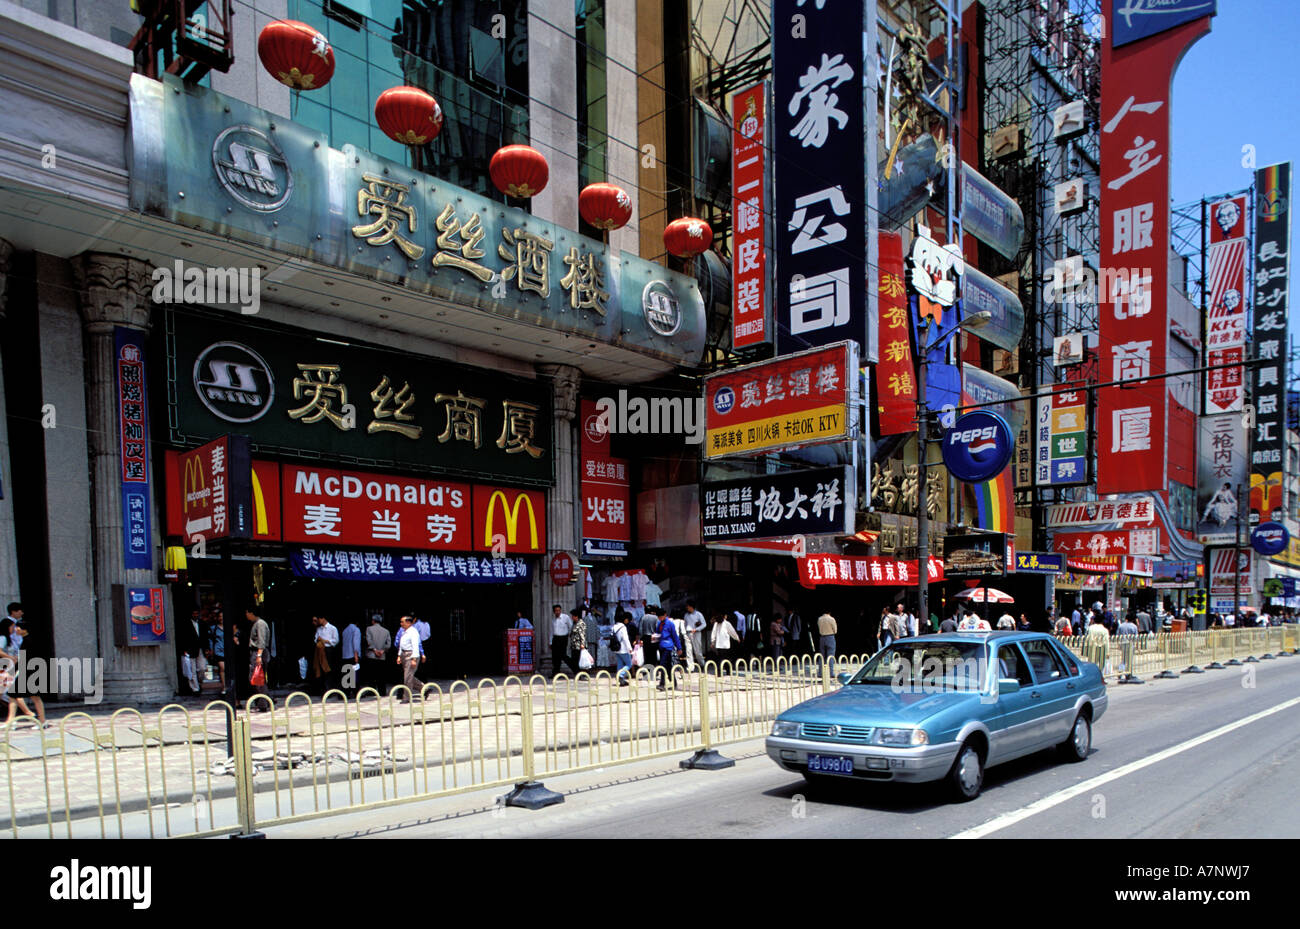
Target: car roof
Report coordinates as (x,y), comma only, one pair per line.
(1001,634)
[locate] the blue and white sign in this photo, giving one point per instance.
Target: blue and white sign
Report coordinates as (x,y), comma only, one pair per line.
(724,400)
(977,447)
(1039,563)
(408,566)
(1138,19)
(1270,538)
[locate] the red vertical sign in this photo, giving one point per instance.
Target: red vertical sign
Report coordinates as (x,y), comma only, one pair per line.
(1225,324)
(606,494)
(895,374)
(748,211)
(1134,280)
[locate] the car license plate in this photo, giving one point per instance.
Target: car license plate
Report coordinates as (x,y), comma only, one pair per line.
(830,764)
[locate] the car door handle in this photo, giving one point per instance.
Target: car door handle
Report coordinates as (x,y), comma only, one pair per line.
(1070,686)
(1035,694)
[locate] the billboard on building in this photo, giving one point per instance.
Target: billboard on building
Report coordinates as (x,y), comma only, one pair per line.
(816,502)
(1220,477)
(1061,436)
(803,399)
(1134,261)
(895,373)
(1272,282)
(820,186)
(749,209)
(606,490)
(1225,320)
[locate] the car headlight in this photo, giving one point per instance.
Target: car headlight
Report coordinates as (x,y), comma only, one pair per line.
(784,728)
(902,737)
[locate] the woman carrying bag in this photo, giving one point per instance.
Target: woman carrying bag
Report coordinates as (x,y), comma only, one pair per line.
(578,645)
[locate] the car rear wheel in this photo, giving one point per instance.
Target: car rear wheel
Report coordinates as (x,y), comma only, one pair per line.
(967,774)
(1077,746)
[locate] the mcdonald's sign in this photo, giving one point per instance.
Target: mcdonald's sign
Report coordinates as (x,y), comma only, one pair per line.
(210,493)
(508,519)
(186,483)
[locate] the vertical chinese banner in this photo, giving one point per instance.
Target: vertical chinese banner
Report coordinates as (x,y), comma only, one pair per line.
(1220,476)
(749,216)
(133,429)
(819,230)
(895,372)
(606,495)
(1139,55)
(1225,322)
(1272,281)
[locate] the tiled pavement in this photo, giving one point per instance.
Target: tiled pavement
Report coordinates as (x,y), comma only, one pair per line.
(178,755)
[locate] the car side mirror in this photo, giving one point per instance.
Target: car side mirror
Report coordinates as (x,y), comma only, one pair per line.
(1008,685)
(844,677)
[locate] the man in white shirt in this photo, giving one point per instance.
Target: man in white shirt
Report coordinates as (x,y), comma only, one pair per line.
(325,659)
(408,657)
(561,626)
(695,623)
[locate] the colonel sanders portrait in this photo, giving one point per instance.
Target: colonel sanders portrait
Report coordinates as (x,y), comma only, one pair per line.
(1231,300)
(1226,214)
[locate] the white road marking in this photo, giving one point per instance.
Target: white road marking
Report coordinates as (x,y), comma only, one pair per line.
(1038,806)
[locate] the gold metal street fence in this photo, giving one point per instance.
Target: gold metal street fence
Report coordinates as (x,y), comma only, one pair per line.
(183,772)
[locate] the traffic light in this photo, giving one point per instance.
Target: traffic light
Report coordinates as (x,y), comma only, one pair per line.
(1197,600)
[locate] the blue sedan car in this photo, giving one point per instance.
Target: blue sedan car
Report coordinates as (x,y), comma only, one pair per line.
(945,706)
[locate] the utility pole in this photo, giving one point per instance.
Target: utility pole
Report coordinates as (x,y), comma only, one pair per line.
(1236,559)
(922,501)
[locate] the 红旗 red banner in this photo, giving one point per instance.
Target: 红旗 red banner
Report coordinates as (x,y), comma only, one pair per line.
(841,570)
(895,373)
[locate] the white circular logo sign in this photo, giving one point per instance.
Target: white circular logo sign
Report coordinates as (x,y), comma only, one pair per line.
(661,309)
(252,168)
(234,382)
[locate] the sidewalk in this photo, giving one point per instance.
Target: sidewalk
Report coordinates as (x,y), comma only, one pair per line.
(179,753)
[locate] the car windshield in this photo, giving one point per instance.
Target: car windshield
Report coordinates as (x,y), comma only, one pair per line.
(927,667)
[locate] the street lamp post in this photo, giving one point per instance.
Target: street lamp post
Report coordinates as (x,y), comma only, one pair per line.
(974,321)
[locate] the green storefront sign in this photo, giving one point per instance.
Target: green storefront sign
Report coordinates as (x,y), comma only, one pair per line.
(209,162)
(301,397)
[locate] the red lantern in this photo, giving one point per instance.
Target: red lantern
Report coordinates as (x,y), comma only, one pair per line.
(687,237)
(605,206)
(408,115)
(296,54)
(519,171)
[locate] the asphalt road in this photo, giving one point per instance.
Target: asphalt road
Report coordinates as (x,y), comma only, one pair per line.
(1170,759)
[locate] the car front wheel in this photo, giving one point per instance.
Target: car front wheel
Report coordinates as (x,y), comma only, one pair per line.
(967,774)
(1076,747)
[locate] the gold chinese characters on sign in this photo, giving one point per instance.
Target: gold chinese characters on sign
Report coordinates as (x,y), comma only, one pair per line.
(386,201)
(460,254)
(324,396)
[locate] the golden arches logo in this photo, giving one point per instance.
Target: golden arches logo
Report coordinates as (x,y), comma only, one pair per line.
(512,518)
(194,485)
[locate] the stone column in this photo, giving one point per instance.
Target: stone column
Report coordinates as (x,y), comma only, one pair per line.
(114,291)
(563,515)
(8,546)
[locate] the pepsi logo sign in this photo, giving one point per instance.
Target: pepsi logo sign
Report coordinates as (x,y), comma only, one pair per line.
(978,447)
(1270,538)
